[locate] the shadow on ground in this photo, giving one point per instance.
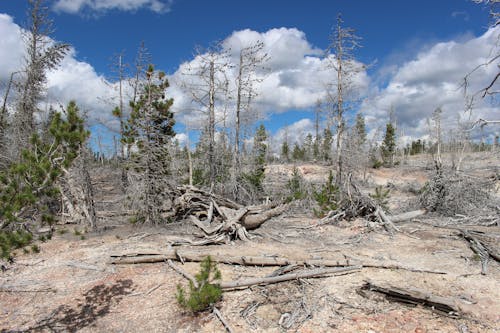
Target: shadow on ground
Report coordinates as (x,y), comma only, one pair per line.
(96,303)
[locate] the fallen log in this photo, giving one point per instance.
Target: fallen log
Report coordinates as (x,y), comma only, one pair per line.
(237,284)
(253,221)
(407,216)
(192,256)
(416,297)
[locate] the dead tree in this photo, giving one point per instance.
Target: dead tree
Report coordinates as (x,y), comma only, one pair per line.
(205,81)
(251,58)
(43,55)
(343,43)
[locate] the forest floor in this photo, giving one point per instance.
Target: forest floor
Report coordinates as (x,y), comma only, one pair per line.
(70,286)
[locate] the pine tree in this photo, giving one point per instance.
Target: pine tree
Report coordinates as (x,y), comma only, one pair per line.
(388,147)
(360,129)
(151,127)
(30,185)
(285,151)
(326,146)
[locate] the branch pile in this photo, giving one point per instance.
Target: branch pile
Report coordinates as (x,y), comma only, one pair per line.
(217,216)
(450,193)
(352,204)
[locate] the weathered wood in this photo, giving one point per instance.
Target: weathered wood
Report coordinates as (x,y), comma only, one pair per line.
(291,276)
(407,216)
(197,256)
(417,297)
(182,272)
(226,325)
(253,221)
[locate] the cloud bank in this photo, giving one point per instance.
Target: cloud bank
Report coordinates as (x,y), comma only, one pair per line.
(102,6)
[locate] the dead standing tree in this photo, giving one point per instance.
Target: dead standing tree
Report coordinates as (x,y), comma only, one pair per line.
(251,59)
(343,43)
(42,55)
(205,80)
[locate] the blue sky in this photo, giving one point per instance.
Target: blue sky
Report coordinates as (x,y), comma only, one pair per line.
(395,35)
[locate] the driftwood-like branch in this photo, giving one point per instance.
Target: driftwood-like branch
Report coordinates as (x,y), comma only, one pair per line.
(416,296)
(196,256)
(407,215)
(222,320)
(182,272)
(253,221)
(291,276)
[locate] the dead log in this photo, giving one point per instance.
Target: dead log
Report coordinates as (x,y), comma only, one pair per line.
(481,247)
(222,320)
(253,221)
(183,273)
(416,297)
(197,256)
(287,277)
(407,216)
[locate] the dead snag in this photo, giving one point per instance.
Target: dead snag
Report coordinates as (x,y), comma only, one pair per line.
(415,296)
(318,272)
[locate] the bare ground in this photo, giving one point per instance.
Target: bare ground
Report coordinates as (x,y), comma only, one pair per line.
(71,287)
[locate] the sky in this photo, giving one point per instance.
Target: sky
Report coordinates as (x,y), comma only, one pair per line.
(415,53)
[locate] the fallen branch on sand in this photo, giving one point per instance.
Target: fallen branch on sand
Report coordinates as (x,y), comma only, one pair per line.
(415,296)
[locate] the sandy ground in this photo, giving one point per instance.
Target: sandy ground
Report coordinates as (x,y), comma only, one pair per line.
(70,286)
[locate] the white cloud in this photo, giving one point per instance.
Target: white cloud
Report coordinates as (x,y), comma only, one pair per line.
(294,133)
(433,80)
(72,80)
(77,6)
(11,47)
(296,75)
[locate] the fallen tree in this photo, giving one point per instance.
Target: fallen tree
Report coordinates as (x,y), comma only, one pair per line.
(216,215)
(198,256)
(415,296)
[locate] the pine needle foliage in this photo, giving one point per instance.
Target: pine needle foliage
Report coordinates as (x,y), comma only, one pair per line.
(29,186)
(206,293)
(327,197)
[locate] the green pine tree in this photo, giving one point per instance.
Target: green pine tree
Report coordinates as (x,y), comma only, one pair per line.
(28,187)
(388,147)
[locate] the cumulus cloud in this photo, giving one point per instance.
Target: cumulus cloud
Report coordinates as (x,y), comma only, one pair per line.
(294,133)
(72,80)
(11,47)
(100,6)
(432,80)
(295,76)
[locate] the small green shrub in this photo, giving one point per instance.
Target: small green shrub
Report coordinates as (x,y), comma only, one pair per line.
(327,197)
(381,197)
(296,187)
(11,240)
(376,164)
(35,248)
(207,293)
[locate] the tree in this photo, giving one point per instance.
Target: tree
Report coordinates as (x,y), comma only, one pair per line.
(343,43)
(43,54)
(207,81)
(29,187)
(388,147)
(250,59)
(360,129)
(260,153)
(285,151)
(153,124)
(326,146)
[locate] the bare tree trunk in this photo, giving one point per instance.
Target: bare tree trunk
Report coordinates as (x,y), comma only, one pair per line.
(211,125)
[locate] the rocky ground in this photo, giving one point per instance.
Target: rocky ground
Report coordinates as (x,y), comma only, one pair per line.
(70,286)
